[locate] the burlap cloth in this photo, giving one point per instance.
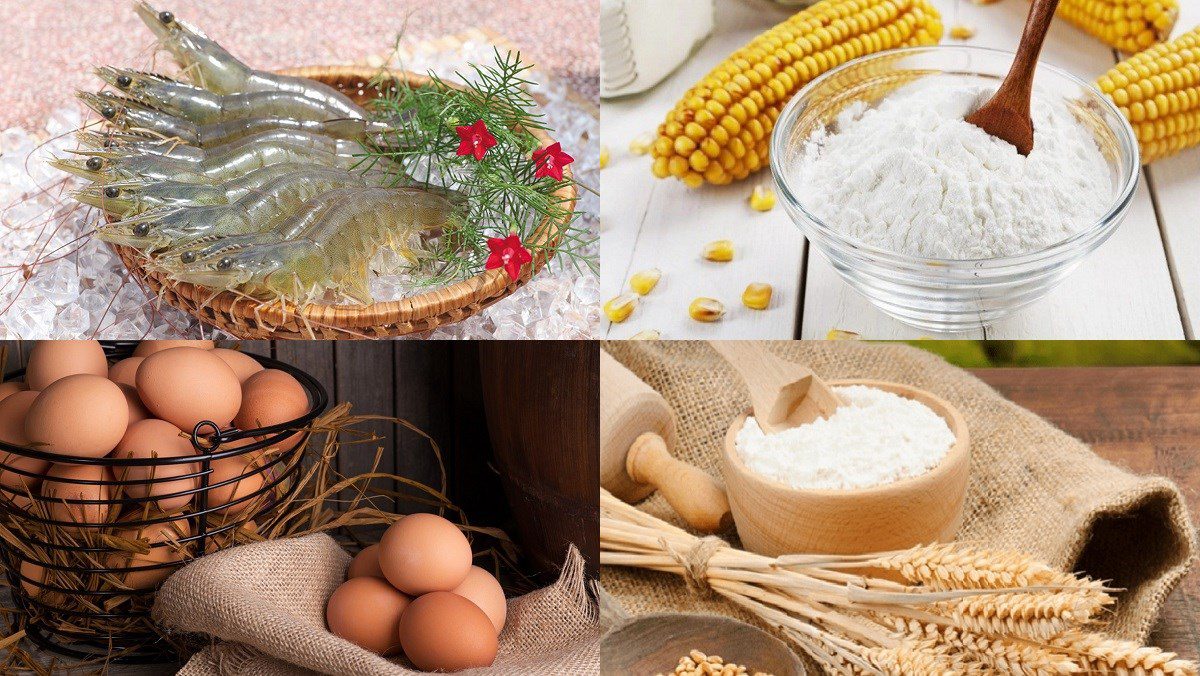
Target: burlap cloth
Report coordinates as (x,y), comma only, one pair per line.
(266,602)
(1032,487)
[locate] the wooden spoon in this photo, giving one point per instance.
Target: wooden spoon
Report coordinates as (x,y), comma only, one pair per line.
(1006,115)
(783,394)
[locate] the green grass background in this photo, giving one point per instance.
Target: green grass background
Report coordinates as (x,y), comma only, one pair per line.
(982,353)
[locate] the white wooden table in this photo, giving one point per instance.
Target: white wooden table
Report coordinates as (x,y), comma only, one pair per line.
(1143,283)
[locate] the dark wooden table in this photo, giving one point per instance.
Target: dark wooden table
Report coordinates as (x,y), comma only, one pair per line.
(1146,419)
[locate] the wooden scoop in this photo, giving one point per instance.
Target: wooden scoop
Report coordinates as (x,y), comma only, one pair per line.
(637,434)
(1006,115)
(783,394)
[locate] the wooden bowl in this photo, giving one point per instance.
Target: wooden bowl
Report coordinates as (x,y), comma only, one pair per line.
(248,318)
(653,644)
(775,519)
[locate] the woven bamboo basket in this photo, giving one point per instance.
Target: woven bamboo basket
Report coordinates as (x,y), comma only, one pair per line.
(249,318)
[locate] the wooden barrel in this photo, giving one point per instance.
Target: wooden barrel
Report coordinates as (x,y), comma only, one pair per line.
(542,400)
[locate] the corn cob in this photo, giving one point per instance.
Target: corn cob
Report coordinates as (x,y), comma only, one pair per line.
(719,131)
(1128,25)
(1158,90)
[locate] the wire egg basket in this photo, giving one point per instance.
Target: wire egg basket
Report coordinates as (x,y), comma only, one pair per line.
(72,582)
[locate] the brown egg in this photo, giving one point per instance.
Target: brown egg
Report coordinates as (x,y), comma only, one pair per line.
(82,415)
(53,359)
(185,386)
(137,410)
(160,534)
(482,589)
(250,481)
(11,387)
(157,439)
(124,372)
(272,397)
(423,553)
(242,364)
(32,571)
(441,631)
(366,611)
(365,564)
(13,410)
(149,347)
(55,492)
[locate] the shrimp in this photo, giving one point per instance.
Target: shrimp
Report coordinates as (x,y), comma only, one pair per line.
(130,197)
(106,166)
(128,114)
(254,212)
(118,146)
(326,246)
(208,65)
(201,106)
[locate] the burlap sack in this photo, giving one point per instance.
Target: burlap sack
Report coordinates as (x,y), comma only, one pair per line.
(266,602)
(1032,487)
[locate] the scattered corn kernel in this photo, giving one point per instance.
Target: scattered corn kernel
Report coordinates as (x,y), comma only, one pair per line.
(961,32)
(839,334)
(603,156)
(644,282)
(641,145)
(618,309)
(720,251)
(706,310)
(647,334)
(762,198)
(757,296)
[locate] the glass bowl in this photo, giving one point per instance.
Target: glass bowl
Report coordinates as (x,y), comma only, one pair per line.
(945,294)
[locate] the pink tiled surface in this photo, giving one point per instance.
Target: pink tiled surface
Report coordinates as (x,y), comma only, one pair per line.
(48,47)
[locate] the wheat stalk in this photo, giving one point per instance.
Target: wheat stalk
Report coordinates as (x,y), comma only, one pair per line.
(966,610)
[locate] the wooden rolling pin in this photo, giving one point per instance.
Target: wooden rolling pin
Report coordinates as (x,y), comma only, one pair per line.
(637,435)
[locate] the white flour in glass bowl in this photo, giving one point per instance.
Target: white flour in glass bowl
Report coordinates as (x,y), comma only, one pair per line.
(910,175)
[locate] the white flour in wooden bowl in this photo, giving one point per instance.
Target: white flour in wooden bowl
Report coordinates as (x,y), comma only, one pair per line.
(910,175)
(875,438)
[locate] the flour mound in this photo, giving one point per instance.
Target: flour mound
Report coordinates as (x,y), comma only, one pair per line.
(876,438)
(911,176)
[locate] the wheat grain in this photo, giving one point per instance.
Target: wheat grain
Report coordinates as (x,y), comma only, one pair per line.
(998,654)
(1101,654)
(1036,616)
(955,566)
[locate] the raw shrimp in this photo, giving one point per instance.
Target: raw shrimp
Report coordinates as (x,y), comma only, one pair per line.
(126,114)
(201,106)
(130,197)
(113,146)
(254,212)
(108,166)
(327,246)
(208,65)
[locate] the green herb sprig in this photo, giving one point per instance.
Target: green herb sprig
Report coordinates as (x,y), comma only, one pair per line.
(500,192)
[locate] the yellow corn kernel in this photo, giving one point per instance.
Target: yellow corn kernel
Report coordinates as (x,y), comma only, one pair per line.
(603,156)
(644,282)
(719,251)
(641,144)
(839,334)
(757,296)
(762,198)
(619,308)
(1158,91)
(1128,25)
(706,310)
(719,131)
(961,32)
(647,334)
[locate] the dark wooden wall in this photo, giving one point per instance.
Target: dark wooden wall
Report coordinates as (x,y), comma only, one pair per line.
(434,385)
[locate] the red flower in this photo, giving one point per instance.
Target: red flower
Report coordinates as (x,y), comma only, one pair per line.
(508,253)
(476,139)
(550,161)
